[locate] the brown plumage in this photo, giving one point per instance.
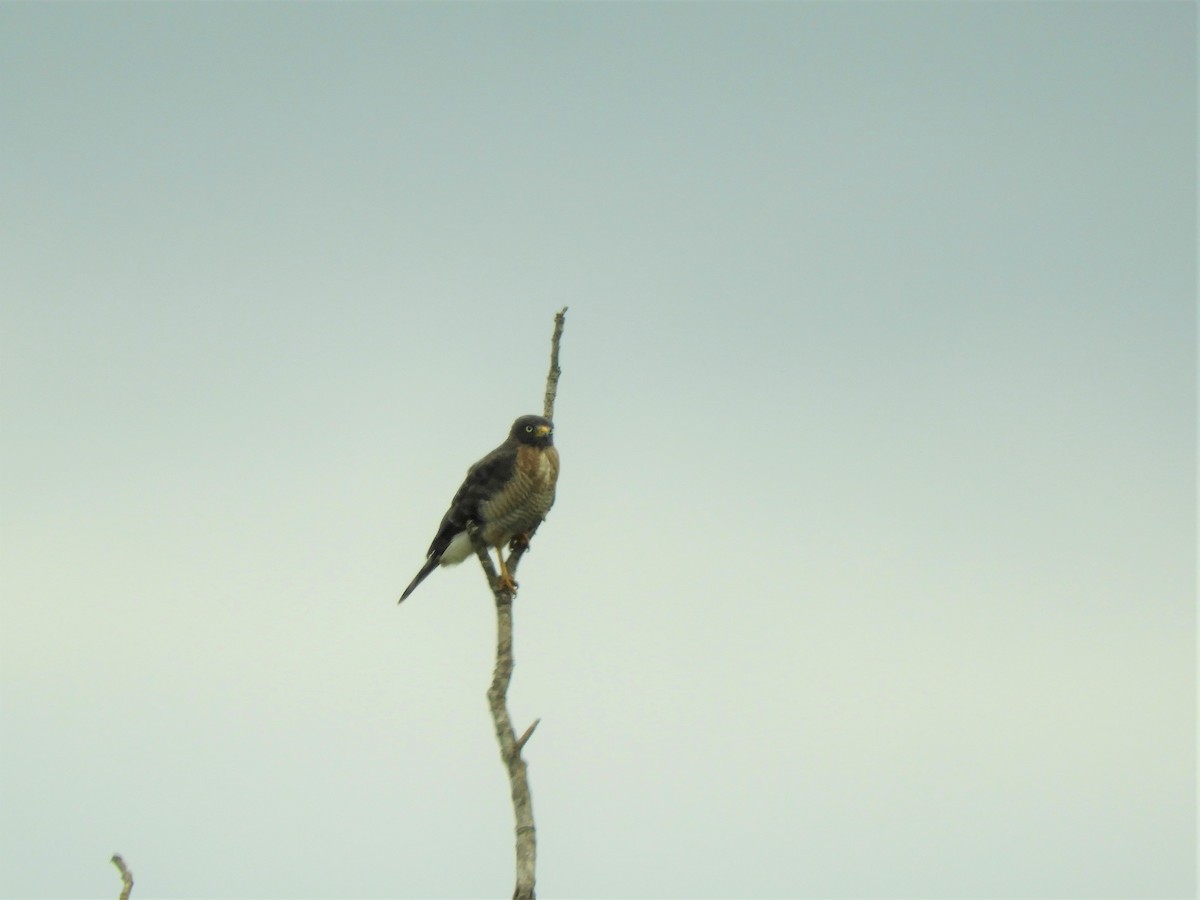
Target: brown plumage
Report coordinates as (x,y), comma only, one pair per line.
(507,493)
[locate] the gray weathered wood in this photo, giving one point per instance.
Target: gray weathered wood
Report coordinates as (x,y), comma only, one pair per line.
(497,694)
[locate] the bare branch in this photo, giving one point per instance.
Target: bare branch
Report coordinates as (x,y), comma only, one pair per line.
(552,379)
(485,557)
(510,751)
(510,745)
(126,876)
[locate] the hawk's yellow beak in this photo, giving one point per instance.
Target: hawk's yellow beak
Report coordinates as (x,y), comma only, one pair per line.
(542,430)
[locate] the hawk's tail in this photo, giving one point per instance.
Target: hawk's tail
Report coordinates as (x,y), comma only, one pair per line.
(430,565)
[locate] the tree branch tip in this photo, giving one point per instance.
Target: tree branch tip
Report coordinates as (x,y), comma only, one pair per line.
(126,875)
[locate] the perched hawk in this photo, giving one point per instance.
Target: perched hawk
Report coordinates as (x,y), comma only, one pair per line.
(507,493)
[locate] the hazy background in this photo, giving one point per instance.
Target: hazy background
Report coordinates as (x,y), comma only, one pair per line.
(872,570)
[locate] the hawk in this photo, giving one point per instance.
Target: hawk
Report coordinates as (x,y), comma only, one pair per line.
(507,493)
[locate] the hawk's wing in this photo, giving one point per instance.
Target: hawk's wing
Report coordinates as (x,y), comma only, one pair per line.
(484,480)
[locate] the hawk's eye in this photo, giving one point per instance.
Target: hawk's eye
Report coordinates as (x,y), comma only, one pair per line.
(529,428)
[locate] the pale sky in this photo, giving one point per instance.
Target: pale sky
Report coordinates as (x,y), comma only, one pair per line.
(872,572)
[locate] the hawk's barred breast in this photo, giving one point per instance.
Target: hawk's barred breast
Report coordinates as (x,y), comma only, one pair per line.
(525,500)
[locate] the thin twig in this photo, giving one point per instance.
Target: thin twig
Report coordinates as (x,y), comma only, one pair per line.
(552,379)
(524,738)
(126,876)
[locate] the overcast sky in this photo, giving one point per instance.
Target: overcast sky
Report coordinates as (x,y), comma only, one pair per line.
(872,572)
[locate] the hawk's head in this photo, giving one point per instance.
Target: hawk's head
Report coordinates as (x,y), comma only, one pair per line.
(534,430)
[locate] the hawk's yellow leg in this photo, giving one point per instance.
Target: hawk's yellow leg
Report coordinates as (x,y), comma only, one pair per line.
(506,580)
